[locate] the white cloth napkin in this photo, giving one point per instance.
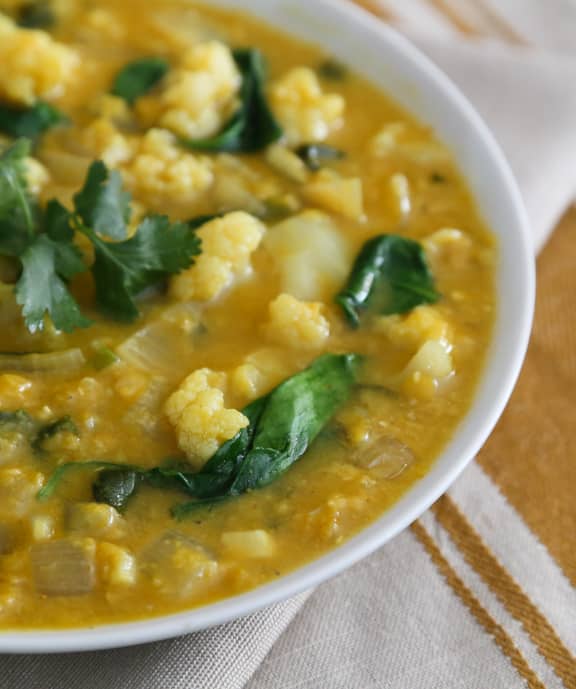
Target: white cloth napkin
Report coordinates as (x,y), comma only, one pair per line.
(392,621)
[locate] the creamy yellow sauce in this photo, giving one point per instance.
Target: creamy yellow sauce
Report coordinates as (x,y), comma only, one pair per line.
(408,407)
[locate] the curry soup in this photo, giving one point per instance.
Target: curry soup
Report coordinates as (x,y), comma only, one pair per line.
(245,303)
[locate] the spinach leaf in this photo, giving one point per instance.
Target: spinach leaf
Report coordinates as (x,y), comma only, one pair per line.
(61,472)
(282,427)
(390,275)
(36,15)
(253,126)
(29,122)
(139,77)
(62,425)
(314,155)
(115,487)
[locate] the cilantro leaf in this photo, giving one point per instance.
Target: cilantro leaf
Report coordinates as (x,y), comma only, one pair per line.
(124,269)
(16,209)
(138,77)
(41,291)
(102,204)
(29,122)
(253,126)
(69,259)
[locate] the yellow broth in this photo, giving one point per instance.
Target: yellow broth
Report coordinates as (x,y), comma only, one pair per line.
(410,186)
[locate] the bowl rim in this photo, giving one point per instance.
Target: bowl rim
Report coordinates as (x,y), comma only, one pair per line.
(469,437)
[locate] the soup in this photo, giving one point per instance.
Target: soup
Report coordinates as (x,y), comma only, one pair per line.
(245,299)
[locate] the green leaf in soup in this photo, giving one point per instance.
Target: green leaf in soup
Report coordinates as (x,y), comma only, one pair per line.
(64,470)
(124,269)
(389,276)
(253,126)
(57,226)
(41,292)
(62,425)
(138,77)
(332,70)
(115,487)
(29,122)
(17,212)
(103,204)
(294,414)
(282,426)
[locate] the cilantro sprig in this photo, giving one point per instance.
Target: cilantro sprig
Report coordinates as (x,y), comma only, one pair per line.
(42,240)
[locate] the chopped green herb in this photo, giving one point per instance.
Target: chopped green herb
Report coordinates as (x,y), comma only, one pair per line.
(17,214)
(332,70)
(53,483)
(122,270)
(36,15)
(102,204)
(390,275)
(63,425)
(139,77)
(253,126)
(104,357)
(29,122)
(315,155)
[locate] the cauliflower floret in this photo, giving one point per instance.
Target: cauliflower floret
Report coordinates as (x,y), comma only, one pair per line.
(260,372)
(298,324)
(197,412)
(227,244)
(160,170)
(33,64)
(198,96)
(412,330)
(306,113)
(449,246)
(102,139)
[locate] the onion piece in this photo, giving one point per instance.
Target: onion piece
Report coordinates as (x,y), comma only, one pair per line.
(51,362)
(65,567)
(385,457)
(158,348)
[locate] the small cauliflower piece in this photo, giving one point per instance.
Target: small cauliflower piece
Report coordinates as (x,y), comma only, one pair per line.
(311,256)
(412,330)
(102,139)
(33,64)
(340,195)
(387,139)
(306,113)
(94,519)
(199,95)
(260,372)
(160,170)
(254,544)
(116,564)
(227,245)
(197,412)
(297,324)
(431,365)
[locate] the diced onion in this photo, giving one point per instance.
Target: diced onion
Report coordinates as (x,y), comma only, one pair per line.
(385,457)
(64,567)
(50,362)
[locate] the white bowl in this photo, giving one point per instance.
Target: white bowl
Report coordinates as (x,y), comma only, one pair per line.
(391,62)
